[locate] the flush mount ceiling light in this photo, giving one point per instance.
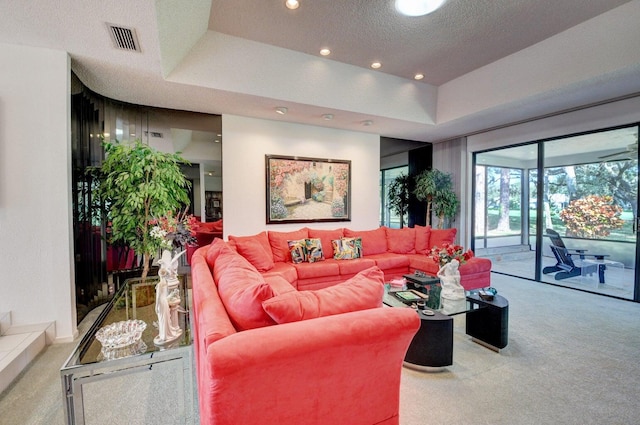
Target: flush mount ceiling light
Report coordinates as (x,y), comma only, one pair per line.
(281,110)
(327,117)
(325,52)
(418,76)
(376,65)
(418,7)
(292,4)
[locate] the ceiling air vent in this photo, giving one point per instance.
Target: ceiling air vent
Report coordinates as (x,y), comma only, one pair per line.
(124,38)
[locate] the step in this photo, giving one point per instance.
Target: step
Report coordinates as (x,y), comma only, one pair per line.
(19,345)
(5,321)
(506,253)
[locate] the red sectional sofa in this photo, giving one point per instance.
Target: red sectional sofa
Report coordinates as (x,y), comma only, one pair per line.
(268,353)
(304,343)
(395,251)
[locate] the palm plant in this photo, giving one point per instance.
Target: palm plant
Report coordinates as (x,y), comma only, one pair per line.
(398,195)
(436,189)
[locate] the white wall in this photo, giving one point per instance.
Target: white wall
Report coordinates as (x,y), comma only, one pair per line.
(248,140)
(612,114)
(36,282)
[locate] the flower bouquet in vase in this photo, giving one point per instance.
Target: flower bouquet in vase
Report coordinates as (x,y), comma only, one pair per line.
(449,257)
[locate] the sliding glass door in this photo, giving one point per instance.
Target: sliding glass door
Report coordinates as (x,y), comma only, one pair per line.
(502,208)
(571,207)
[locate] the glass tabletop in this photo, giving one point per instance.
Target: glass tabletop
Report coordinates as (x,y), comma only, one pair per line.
(401,297)
(134,300)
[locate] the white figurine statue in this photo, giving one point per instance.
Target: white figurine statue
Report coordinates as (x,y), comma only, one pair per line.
(168,300)
(450,280)
(170,266)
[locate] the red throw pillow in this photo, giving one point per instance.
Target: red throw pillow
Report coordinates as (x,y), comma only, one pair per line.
(258,256)
(280,246)
(242,290)
(363,291)
(442,237)
(243,243)
(214,250)
(373,241)
(423,237)
(401,241)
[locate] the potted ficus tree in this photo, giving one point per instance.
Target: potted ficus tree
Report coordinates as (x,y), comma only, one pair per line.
(436,189)
(398,195)
(138,185)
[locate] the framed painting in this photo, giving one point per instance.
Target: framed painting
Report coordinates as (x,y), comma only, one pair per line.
(305,190)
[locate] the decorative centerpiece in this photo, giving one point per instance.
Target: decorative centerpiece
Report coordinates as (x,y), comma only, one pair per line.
(449,257)
(122,339)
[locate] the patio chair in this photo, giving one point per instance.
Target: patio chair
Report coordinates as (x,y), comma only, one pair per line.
(566,267)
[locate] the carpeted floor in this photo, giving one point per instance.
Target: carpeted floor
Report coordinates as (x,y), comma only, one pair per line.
(572,358)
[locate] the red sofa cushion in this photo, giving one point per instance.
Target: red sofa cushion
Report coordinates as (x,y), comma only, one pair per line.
(256,254)
(354,266)
(389,260)
(317,269)
(442,237)
(423,239)
(363,291)
(401,241)
(242,289)
(245,245)
(326,236)
(373,241)
(279,243)
(286,270)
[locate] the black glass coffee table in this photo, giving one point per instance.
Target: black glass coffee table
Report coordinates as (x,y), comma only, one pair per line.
(431,349)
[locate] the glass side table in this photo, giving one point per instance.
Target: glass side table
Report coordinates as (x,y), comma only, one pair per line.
(142,383)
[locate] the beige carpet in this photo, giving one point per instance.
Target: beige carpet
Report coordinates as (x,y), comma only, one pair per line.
(572,358)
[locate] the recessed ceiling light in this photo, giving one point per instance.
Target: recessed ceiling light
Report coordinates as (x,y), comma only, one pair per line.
(327,117)
(418,7)
(367,123)
(418,76)
(281,110)
(292,4)
(376,65)
(325,52)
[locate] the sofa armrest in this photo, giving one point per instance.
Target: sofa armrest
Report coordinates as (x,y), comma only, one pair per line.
(313,371)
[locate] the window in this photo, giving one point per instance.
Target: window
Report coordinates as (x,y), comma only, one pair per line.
(388,217)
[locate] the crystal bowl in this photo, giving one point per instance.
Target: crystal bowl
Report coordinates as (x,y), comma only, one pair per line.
(121,334)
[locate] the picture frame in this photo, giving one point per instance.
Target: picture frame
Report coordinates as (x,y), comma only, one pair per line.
(306,190)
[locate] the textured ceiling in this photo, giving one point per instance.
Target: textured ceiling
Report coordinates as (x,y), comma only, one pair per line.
(461,36)
(487,63)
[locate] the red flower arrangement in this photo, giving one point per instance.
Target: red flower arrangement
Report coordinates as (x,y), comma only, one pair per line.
(445,254)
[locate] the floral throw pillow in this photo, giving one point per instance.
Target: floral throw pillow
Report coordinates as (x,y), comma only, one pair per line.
(347,248)
(298,250)
(314,250)
(356,242)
